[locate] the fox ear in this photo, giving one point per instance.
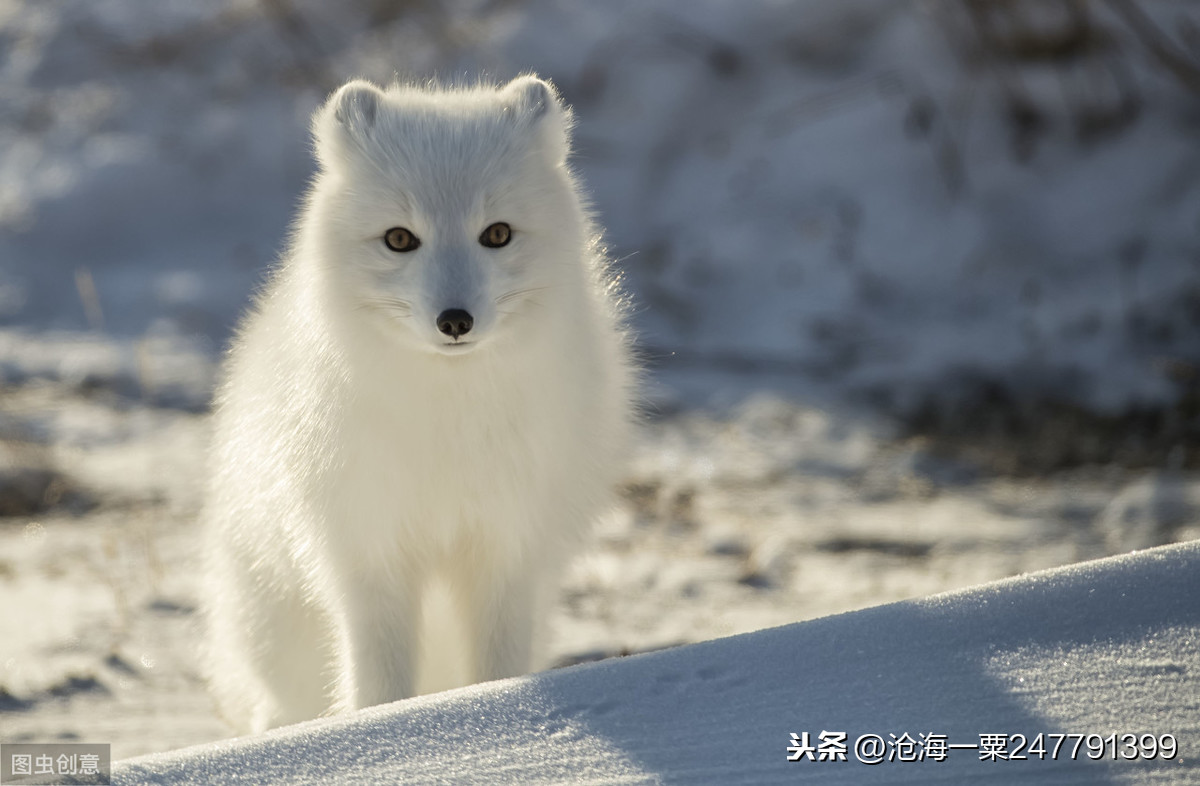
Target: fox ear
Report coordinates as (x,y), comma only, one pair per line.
(346,119)
(535,102)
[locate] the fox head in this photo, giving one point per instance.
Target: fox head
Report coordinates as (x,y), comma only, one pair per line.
(446,215)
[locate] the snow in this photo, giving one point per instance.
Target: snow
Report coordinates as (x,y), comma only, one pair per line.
(1098,648)
(837,173)
(828,222)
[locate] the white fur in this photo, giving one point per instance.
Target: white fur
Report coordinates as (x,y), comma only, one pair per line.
(359,455)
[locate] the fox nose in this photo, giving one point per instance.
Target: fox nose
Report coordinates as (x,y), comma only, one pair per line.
(455,322)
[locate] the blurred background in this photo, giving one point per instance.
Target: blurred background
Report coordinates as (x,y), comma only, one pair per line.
(917,286)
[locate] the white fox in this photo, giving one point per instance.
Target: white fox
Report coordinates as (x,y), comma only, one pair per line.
(435,384)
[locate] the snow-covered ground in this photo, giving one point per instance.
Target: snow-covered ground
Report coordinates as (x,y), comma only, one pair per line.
(771,513)
(848,240)
(1095,650)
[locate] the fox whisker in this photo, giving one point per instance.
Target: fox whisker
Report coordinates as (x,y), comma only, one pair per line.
(516,293)
(393,306)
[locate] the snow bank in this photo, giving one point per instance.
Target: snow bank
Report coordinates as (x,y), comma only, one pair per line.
(1105,647)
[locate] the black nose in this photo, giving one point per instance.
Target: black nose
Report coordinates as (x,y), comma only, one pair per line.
(455,322)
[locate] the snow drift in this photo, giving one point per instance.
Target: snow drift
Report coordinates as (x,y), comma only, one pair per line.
(1105,647)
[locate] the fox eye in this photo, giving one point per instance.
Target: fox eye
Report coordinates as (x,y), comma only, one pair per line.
(400,239)
(496,235)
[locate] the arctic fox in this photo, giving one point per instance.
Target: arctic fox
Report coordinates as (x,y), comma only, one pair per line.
(434,386)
